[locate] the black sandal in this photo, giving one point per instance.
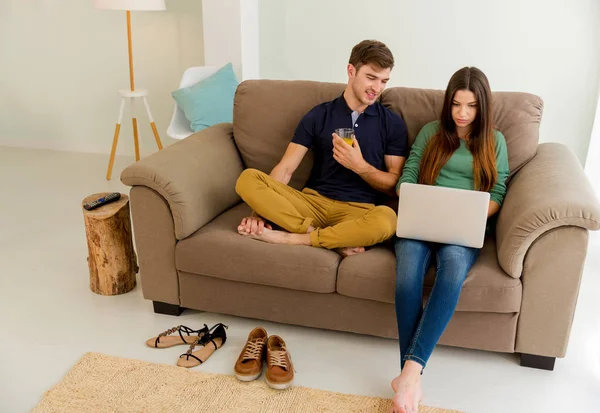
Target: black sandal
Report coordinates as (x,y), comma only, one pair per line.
(166,340)
(211,342)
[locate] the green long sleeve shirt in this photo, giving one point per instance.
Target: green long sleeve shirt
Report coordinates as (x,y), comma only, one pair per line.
(458,171)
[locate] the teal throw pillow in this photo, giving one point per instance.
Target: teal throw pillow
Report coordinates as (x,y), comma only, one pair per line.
(209,101)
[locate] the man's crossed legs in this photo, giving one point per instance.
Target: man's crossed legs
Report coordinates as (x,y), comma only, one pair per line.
(312,219)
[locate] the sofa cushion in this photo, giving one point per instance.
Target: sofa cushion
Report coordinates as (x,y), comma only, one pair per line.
(217,250)
(372,275)
(266,114)
(517,115)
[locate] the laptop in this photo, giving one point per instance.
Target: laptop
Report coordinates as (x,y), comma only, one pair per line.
(443,215)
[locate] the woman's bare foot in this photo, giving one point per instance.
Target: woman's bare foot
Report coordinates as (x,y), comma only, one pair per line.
(407,387)
(347,251)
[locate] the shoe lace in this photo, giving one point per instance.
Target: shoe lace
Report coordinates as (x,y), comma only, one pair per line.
(254,349)
(278,358)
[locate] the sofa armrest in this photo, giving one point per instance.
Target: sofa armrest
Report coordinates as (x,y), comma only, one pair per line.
(155,245)
(550,191)
(551,279)
(195,176)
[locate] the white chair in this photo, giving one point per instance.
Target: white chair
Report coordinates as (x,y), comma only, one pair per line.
(180,126)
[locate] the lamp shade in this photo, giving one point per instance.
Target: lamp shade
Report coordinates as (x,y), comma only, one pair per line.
(130,4)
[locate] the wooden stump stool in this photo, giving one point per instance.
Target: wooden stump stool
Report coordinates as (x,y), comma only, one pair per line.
(112,261)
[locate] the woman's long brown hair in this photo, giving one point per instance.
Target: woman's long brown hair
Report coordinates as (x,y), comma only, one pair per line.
(480,140)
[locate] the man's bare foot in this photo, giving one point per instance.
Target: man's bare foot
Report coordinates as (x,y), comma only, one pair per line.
(407,387)
(347,251)
(280,237)
(271,236)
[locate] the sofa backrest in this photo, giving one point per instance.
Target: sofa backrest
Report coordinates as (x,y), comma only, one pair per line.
(267,112)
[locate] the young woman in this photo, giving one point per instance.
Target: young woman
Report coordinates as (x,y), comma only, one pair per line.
(461,150)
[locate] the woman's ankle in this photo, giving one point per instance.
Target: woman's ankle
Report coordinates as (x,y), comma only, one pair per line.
(412,369)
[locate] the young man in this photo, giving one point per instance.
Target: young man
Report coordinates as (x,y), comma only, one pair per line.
(337,209)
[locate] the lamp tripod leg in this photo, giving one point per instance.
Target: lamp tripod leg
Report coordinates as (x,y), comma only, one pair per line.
(154,130)
(136,142)
(115,141)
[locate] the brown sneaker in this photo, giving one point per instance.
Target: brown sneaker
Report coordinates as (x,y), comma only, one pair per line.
(280,371)
(250,361)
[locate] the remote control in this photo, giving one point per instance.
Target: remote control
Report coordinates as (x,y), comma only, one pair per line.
(102,201)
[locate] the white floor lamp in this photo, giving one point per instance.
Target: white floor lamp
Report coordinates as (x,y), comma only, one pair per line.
(132,92)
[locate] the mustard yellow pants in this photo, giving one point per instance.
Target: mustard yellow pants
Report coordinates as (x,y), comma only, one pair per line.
(338,224)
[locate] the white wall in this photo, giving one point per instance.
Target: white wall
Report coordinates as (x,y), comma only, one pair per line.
(547,47)
(231,35)
(592,164)
(249,21)
(62,62)
(222,35)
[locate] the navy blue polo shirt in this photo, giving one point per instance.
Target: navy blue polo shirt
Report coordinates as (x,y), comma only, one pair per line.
(379,132)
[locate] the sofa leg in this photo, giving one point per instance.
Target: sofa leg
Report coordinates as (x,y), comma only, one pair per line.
(166,308)
(537,362)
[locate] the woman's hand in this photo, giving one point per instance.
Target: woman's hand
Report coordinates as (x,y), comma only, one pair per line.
(493,208)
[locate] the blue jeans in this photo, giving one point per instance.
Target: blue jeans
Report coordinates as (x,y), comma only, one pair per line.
(419,328)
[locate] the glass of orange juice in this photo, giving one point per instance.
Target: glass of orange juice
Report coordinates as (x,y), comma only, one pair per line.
(346,134)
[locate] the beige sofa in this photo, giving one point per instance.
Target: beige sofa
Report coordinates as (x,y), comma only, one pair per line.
(519,297)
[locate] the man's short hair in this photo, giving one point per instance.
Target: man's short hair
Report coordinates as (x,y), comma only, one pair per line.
(371,52)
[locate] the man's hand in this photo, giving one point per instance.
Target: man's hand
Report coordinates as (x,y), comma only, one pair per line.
(253,225)
(349,156)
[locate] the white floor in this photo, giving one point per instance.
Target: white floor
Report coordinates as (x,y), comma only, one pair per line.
(49,318)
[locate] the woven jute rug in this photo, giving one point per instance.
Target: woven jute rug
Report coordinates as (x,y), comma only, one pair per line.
(99,383)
